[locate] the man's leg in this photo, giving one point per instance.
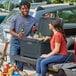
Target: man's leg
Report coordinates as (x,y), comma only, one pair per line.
(15,50)
(20,64)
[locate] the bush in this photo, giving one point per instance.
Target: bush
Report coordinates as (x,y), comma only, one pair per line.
(6,5)
(1,5)
(57,1)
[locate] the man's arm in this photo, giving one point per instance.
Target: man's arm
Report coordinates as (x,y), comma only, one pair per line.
(13,33)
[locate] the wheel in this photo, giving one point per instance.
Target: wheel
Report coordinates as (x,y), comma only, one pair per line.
(61,73)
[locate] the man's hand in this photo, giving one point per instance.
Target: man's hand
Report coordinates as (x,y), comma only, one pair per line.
(20,34)
(13,33)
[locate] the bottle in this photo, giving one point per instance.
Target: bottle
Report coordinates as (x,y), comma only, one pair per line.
(3,74)
(22,28)
(12,69)
(40,35)
(5,69)
(34,30)
(7,65)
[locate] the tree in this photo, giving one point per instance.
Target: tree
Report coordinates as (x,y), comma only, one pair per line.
(1,5)
(57,1)
(5,5)
(64,1)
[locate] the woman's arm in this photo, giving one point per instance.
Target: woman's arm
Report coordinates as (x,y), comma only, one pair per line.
(56,50)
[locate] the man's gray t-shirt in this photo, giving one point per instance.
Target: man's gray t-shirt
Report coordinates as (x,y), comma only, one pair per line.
(28,22)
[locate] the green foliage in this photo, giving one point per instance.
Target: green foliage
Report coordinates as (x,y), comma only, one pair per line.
(57,1)
(12,6)
(1,5)
(6,6)
(64,1)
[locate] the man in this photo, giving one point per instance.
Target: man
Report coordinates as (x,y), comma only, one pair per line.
(48,15)
(16,23)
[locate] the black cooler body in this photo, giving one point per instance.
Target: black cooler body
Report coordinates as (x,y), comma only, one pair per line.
(33,48)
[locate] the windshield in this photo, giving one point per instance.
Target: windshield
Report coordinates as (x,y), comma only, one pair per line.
(69,16)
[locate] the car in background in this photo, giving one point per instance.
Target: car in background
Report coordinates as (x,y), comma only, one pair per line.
(64,11)
(2,18)
(3,14)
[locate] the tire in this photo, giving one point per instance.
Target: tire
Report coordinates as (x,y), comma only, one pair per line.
(70,44)
(61,73)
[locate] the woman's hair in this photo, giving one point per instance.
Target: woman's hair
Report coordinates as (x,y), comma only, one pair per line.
(58,25)
(24,3)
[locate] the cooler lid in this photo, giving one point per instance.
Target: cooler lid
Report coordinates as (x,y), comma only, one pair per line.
(43,26)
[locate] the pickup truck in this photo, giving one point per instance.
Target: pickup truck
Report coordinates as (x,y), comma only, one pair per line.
(64,11)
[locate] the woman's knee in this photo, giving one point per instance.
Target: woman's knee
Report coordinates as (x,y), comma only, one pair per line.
(39,59)
(43,63)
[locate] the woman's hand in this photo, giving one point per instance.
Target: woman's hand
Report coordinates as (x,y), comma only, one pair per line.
(41,38)
(45,38)
(44,55)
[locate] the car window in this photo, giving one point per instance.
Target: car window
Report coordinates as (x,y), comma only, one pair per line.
(8,18)
(68,16)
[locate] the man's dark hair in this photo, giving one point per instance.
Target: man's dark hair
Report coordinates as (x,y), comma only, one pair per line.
(24,3)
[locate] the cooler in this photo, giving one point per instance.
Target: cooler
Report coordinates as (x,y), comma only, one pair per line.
(33,48)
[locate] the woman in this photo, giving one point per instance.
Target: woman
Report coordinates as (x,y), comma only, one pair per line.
(58,47)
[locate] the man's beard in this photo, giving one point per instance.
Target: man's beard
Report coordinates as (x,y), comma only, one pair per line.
(25,15)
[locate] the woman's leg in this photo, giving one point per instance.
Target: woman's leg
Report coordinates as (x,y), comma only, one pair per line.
(38,66)
(51,59)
